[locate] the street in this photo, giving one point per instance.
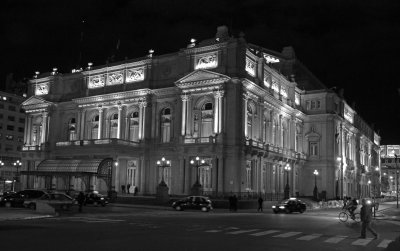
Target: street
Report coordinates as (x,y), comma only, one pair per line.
(125,228)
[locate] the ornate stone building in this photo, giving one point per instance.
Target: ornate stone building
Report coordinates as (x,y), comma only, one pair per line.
(390,162)
(259,120)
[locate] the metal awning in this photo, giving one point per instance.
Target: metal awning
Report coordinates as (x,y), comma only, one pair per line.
(69,166)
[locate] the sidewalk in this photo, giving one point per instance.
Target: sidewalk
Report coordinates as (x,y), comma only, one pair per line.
(20,214)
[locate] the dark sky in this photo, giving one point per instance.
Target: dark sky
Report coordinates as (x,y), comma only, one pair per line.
(348,44)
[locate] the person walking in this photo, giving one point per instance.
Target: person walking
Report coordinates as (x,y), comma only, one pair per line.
(260,204)
(366,217)
(81,200)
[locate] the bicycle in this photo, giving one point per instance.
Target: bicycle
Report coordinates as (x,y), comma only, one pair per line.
(345,215)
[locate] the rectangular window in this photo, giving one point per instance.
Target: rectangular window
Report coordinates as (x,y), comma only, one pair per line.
(10,127)
(22,120)
(11,118)
(11,108)
(1,106)
(313,149)
(20,129)
(9,148)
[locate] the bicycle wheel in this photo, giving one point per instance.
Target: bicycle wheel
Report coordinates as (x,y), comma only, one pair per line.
(357,217)
(343,217)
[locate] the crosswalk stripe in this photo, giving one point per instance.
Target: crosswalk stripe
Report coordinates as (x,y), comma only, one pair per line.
(213,231)
(361,242)
(384,243)
(288,234)
(309,237)
(265,233)
(336,239)
(243,231)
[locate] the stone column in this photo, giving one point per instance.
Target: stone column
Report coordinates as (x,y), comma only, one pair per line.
(119,120)
(184,107)
(126,137)
(189,112)
(29,130)
(44,127)
(82,125)
(216,112)
(100,127)
(142,118)
(245,99)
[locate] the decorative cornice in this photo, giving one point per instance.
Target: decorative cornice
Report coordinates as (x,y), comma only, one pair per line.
(113,98)
(200,79)
(124,66)
(35,104)
(205,48)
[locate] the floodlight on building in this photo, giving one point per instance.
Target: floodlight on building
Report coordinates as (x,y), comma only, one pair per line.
(36,74)
(151,51)
(54,71)
(89,65)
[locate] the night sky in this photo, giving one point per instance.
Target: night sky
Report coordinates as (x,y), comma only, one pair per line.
(354,45)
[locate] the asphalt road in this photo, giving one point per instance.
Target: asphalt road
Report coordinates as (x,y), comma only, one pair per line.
(124,228)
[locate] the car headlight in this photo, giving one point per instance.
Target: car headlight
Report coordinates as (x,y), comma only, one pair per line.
(101,198)
(273,206)
(282,207)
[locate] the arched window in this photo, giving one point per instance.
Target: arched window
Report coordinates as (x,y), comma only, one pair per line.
(165,125)
(72,129)
(95,127)
(284,135)
(114,126)
(134,126)
(207,120)
(205,176)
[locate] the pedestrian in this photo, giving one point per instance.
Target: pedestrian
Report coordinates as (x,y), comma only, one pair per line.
(81,200)
(128,187)
(260,204)
(230,202)
(366,217)
(234,202)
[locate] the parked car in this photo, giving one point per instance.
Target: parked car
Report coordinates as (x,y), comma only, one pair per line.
(193,202)
(289,206)
(95,198)
(17,199)
(5,197)
(56,199)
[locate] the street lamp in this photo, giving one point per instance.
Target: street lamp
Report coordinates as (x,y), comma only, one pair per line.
(287,187)
(163,163)
(339,159)
(162,188)
(17,164)
(197,162)
(315,187)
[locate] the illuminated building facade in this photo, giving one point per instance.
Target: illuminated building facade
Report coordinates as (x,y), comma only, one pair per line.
(12,121)
(390,168)
(258,118)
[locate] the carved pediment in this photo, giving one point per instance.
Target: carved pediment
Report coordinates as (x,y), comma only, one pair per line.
(312,135)
(34,103)
(201,77)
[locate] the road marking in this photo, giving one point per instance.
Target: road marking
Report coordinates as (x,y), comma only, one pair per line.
(94,220)
(288,234)
(213,231)
(361,242)
(384,243)
(336,239)
(265,233)
(243,231)
(309,237)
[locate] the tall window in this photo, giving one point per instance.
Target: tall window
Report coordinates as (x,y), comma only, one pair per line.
(131,173)
(248,175)
(95,127)
(37,131)
(313,149)
(114,126)
(207,120)
(205,177)
(249,121)
(284,135)
(166,125)
(72,129)
(134,126)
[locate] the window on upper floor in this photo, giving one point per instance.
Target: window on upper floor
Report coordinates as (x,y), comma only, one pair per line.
(313,104)
(20,129)
(114,126)
(165,125)
(134,126)
(21,120)
(11,118)
(72,129)
(11,108)
(313,149)
(206,129)
(95,127)
(10,127)
(1,106)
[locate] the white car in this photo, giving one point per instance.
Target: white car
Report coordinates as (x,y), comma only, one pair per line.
(55,199)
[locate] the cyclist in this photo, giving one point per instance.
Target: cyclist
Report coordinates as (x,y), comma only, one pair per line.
(351,207)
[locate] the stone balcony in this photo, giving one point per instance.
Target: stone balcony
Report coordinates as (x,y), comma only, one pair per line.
(96,142)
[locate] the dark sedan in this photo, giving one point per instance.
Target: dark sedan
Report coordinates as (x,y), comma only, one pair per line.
(95,198)
(289,206)
(17,199)
(193,202)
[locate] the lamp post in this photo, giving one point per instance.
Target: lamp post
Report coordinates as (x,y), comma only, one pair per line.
(315,186)
(397,182)
(17,164)
(197,163)
(341,177)
(162,188)
(287,187)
